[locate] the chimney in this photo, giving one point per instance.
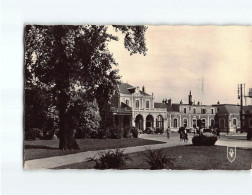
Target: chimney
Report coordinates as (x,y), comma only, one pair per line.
(181,102)
(218,102)
(169,102)
(143,89)
(198,103)
(190,98)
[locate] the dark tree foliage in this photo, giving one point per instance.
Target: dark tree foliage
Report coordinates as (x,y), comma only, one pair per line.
(36,107)
(73,59)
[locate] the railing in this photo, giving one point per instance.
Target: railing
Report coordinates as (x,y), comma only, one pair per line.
(149,109)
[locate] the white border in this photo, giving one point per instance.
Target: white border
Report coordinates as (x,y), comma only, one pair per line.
(16,13)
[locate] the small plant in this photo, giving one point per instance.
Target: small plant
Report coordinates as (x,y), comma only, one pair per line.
(110,160)
(158,159)
(204,140)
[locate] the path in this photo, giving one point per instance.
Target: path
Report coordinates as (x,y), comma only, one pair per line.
(56,161)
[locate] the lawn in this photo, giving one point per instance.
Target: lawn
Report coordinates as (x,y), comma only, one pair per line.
(48,148)
(188,157)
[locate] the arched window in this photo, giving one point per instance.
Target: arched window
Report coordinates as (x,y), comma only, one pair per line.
(194,110)
(203,123)
(185,122)
(212,111)
(212,122)
(160,122)
(222,123)
(175,123)
(194,122)
(234,122)
(137,104)
(147,104)
(127,102)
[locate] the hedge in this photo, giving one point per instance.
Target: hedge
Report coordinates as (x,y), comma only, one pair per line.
(204,140)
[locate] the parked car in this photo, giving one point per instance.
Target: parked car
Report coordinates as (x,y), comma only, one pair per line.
(149,130)
(159,130)
(207,130)
(140,131)
(191,130)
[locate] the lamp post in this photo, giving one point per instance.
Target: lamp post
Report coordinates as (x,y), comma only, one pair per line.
(241,96)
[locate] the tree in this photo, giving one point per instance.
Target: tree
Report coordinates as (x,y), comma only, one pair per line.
(73,59)
(36,103)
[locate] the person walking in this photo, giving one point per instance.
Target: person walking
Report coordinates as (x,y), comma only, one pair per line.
(168,132)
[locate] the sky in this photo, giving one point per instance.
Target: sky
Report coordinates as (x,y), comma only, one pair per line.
(181,58)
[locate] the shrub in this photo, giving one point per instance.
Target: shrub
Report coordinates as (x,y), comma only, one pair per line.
(110,160)
(134,132)
(93,134)
(127,132)
(103,133)
(33,133)
(204,140)
(116,132)
(249,134)
(48,130)
(82,132)
(157,159)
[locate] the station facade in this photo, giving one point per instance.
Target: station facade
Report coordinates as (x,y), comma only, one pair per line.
(134,107)
(142,111)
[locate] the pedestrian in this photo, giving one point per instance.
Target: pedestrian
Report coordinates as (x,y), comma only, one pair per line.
(168,132)
(218,132)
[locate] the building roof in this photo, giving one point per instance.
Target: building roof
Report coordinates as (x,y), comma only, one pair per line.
(247,109)
(126,88)
(194,105)
(159,105)
(163,105)
(233,108)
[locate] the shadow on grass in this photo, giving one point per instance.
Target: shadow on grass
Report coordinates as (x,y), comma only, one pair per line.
(39,147)
(234,138)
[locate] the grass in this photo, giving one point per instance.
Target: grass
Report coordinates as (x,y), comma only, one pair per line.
(188,157)
(47,148)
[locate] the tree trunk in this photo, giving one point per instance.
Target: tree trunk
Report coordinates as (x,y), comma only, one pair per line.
(62,80)
(66,126)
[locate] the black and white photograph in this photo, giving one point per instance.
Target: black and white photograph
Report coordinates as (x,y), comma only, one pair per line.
(125,97)
(137,97)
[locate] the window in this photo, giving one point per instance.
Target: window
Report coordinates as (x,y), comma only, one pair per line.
(234,122)
(203,123)
(194,110)
(222,123)
(147,104)
(175,123)
(184,110)
(212,110)
(127,102)
(203,111)
(160,122)
(185,122)
(212,122)
(137,104)
(194,123)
